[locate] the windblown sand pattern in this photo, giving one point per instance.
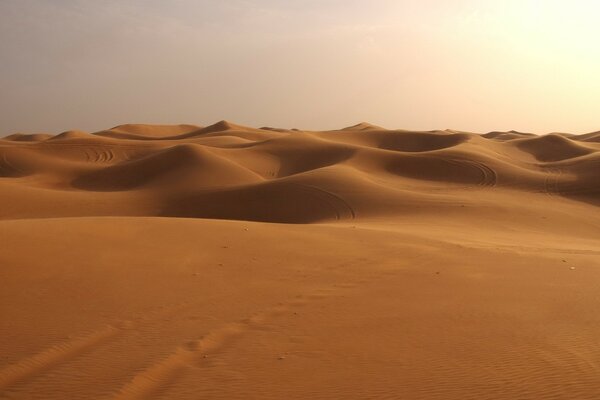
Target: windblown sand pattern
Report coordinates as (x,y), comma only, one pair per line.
(228,262)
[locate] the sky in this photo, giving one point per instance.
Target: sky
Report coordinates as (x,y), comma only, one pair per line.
(473,65)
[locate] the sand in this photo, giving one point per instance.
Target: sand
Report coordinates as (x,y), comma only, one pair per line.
(228,262)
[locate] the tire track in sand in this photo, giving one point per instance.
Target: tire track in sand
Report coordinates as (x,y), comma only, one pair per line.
(341,208)
(8,168)
(47,359)
(54,356)
(154,380)
(489,177)
(555,186)
(552,181)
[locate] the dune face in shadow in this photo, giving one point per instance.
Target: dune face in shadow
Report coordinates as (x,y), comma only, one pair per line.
(286,202)
(229,171)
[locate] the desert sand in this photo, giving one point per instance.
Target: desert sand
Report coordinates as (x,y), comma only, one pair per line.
(228,262)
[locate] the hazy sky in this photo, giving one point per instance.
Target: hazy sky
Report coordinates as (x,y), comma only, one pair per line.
(476,65)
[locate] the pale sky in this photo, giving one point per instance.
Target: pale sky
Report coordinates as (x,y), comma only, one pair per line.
(475,65)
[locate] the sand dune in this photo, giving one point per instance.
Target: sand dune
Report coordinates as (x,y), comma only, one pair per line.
(155,130)
(216,164)
(189,163)
(590,137)
(507,135)
(363,126)
(229,262)
(554,148)
(35,137)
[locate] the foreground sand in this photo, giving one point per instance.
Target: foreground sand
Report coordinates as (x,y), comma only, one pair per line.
(422,265)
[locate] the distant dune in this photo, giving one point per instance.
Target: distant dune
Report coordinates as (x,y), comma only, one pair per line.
(229,262)
(286,176)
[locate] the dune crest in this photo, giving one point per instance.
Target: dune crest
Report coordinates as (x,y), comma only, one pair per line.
(363,126)
(230,171)
(554,147)
(21,137)
(155,130)
(223,125)
(74,134)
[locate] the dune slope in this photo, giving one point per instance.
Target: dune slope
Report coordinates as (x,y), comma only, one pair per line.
(201,172)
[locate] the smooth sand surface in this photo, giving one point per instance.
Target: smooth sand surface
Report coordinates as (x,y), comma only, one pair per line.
(228,262)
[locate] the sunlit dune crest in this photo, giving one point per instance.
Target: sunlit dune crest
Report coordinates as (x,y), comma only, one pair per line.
(289,176)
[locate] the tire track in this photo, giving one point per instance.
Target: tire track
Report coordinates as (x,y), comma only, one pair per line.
(91,154)
(577,186)
(156,378)
(552,181)
(54,356)
(9,169)
(110,155)
(99,155)
(489,177)
(30,367)
(105,155)
(334,201)
(4,170)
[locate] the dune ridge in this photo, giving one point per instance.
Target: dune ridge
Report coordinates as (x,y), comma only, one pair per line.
(200,172)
